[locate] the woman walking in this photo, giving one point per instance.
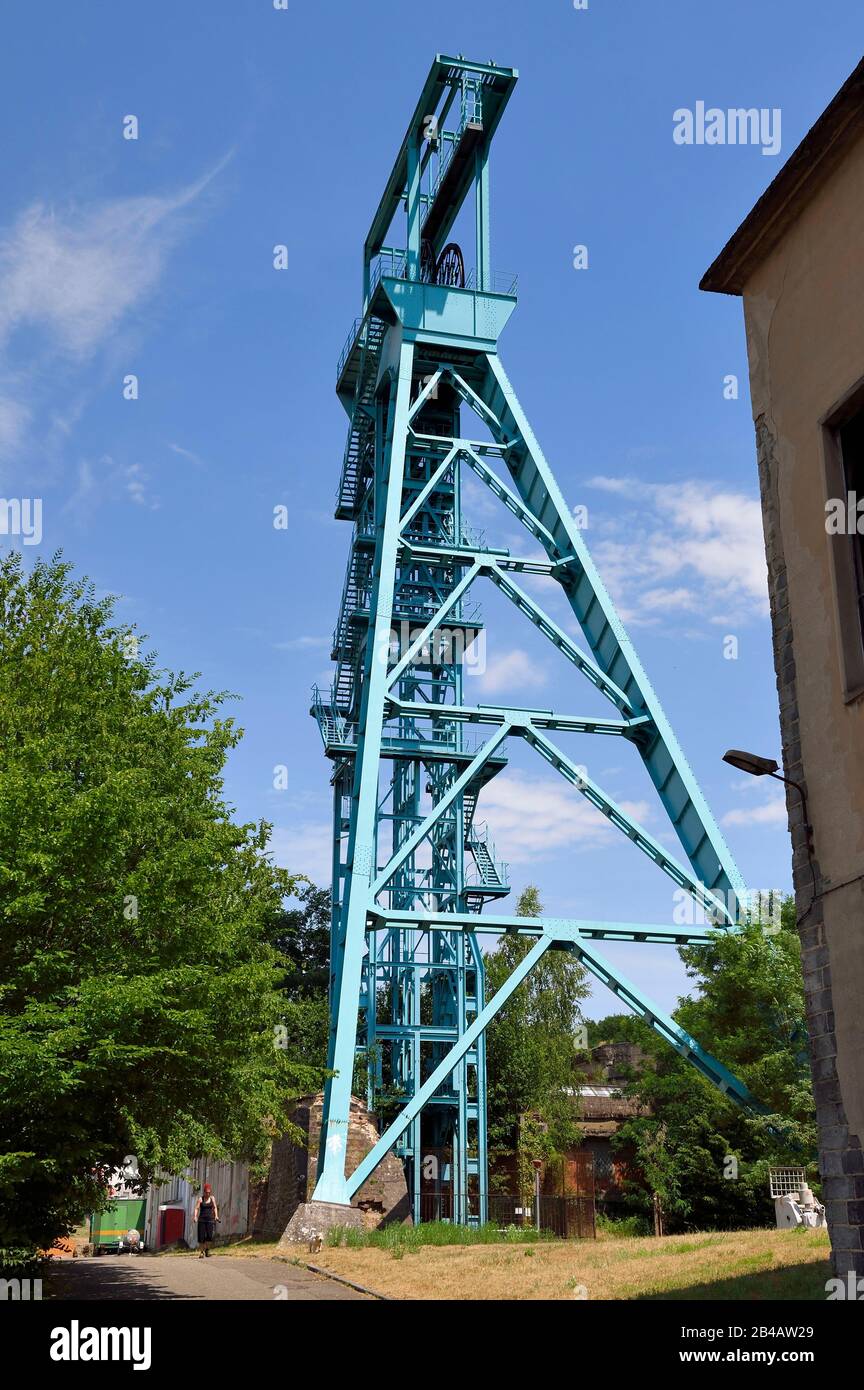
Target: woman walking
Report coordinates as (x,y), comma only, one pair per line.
(206,1214)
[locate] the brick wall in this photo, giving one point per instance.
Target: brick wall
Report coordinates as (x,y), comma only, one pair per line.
(291,1180)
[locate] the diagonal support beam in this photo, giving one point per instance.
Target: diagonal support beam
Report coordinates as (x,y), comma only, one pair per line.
(479,406)
(511,501)
(445,1067)
(424,395)
(559,638)
(483,755)
(617,816)
(427,489)
(419,643)
(610,644)
(666,1027)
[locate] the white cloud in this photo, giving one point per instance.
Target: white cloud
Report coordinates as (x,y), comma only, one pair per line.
(70,278)
(769,813)
(108,481)
(304,848)
(664,600)
(681,547)
(82,498)
(74,274)
(187,454)
(531,817)
(302,644)
(514,671)
(134,481)
(14,419)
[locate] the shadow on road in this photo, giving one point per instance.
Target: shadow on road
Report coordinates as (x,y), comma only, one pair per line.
(109,1278)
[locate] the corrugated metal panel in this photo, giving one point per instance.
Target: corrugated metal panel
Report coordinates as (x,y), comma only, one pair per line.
(230,1183)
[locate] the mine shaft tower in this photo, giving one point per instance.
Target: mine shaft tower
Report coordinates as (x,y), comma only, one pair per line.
(414,872)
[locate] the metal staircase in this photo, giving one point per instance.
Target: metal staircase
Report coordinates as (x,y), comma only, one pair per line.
(491,878)
(357,461)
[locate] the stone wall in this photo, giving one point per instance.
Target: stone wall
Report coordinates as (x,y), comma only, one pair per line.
(841,1162)
(291,1181)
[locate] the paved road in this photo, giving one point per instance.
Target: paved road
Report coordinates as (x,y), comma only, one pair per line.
(168,1277)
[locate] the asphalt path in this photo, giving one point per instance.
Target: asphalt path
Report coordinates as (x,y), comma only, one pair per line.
(167,1277)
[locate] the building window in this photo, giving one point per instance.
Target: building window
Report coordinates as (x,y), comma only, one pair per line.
(843,439)
(604,1165)
(852,458)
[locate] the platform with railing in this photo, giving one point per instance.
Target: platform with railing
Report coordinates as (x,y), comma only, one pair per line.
(391,264)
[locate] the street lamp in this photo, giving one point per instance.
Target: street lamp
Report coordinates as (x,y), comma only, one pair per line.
(767,767)
(538,1164)
(750,762)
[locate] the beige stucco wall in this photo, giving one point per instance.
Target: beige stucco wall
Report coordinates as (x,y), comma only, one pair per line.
(804,310)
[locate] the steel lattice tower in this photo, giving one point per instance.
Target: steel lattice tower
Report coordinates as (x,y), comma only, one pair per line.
(411,867)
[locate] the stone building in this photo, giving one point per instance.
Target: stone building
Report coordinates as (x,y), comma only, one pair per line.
(383,1198)
(797,261)
(604,1107)
(595,1167)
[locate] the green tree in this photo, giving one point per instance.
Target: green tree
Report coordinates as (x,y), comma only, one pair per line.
(302,937)
(706,1158)
(531,1048)
(139,981)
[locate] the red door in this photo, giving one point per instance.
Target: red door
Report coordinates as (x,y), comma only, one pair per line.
(172,1225)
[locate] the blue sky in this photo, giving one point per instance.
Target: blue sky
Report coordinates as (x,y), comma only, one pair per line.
(154,257)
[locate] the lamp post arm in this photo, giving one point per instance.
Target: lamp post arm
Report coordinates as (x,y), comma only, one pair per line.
(778,777)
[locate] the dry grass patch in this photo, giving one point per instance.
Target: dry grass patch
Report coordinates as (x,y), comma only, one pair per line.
(739,1265)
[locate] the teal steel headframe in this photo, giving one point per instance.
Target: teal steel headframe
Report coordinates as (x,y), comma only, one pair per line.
(412,869)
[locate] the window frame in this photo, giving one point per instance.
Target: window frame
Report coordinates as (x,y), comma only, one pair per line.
(848,615)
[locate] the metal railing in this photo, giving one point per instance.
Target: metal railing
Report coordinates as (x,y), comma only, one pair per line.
(336,728)
(349,343)
(500,282)
(436,1206)
(469,538)
(496,873)
(568,1218)
(419,611)
(393,265)
(471,113)
(390,264)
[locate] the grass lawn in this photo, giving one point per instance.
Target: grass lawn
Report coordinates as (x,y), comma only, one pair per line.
(736,1265)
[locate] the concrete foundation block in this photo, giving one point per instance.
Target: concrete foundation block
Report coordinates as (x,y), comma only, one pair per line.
(312,1220)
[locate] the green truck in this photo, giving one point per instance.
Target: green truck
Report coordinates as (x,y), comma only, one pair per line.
(111,1230)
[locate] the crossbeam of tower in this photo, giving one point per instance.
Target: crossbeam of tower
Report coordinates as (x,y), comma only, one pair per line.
(413,873)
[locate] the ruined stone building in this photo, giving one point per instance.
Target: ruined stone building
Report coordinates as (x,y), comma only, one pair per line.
(598,1165)
(797,261)
(604,1106)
